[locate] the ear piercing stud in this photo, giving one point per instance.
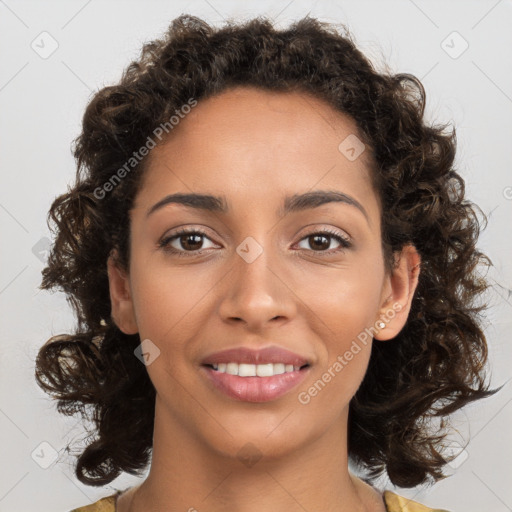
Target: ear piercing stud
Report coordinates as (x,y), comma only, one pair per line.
(381,325)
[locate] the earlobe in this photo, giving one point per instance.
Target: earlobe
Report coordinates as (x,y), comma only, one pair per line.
(397,304)
(122,310)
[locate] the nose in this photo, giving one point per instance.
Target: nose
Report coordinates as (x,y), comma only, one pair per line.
(257,293)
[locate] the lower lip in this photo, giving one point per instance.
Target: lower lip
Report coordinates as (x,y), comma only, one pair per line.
(255,389)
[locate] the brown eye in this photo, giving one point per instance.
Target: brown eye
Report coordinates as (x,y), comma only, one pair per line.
(184,241)
(320,241)
(190,241)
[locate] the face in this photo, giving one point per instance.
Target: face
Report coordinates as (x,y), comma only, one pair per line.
(265,270)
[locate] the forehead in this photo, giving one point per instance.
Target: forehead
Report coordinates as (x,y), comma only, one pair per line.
(246,116)
(255,144)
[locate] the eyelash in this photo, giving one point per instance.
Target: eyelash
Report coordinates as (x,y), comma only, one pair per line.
(164,243)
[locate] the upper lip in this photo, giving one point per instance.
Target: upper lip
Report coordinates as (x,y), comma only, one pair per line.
(260,356)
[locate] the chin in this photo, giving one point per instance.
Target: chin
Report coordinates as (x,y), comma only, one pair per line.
(250,450)
(254,437)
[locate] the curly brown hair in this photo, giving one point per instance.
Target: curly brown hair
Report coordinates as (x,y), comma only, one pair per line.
(432,368)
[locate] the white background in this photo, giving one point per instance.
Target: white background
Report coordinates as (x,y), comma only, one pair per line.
(41,104)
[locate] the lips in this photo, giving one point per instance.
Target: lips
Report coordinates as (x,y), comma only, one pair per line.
(255,388)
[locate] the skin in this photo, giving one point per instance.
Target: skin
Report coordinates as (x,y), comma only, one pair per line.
(256,147)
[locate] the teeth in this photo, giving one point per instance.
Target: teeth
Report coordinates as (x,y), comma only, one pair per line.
(232,368)
(263,370)
(253,370)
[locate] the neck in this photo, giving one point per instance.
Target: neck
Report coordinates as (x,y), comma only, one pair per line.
(188,475)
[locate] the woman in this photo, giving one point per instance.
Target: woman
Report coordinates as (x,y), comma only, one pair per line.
(274,270)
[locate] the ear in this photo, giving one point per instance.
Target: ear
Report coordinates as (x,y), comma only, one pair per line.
(122,311)
(398,293)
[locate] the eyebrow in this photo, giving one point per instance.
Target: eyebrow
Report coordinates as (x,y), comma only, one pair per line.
(292,204)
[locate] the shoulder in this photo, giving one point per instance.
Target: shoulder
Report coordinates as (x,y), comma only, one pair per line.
(107,504)
(396,503)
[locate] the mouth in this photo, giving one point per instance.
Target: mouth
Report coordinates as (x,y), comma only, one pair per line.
(254,382)
(255,370)
(249,375)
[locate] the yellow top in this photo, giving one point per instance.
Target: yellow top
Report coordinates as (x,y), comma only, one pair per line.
(393,502)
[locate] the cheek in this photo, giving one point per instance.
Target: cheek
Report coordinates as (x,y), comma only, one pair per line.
(344,308)
(347,300)
(171,309)
(167,307)
(167,300)
(333,387)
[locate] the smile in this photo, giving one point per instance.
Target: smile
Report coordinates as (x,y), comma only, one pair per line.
(255,370)
(254,383)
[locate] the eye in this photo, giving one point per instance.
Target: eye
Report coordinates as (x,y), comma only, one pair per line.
(184,241)
(190,242)
(322,239)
